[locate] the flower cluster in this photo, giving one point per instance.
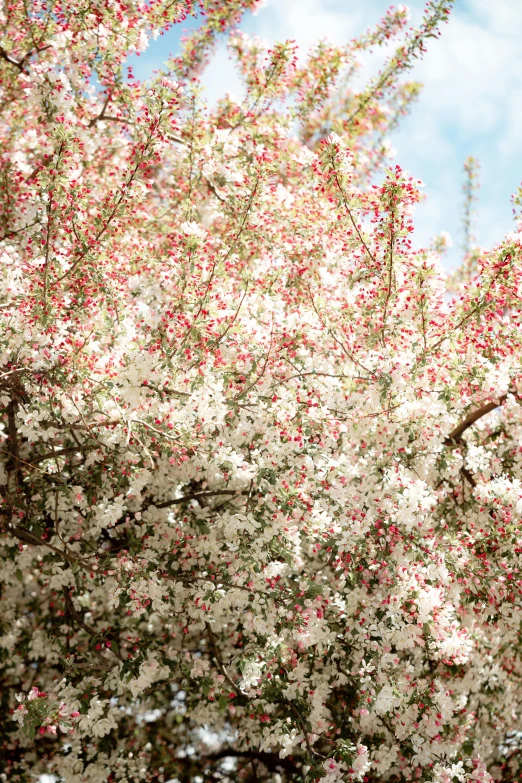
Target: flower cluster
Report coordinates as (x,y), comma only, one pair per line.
(38,714)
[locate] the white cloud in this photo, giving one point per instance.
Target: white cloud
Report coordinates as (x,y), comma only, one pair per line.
(307,21)
(221,77)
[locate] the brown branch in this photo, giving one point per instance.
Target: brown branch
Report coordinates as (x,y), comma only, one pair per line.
(263,370)
(13,440)
(122,120)
(108,117)
(271,760)
(164,390)
(318,374)
(197,495)
(78,618)
(124,191)
(338,342)
(20,64)
(456,434)
(53,454)
(219,660)
(213,188)
(302,725)
(390,277)
(475,307)
(31,466)
(30,538)
(101,115)
(224,260)
(468,475)
(216,582)
(11,60)
(354,224)
(231,322)
(101,666)
(13,233)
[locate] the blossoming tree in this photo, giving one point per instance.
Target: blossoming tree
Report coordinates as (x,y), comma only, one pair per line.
(260,470)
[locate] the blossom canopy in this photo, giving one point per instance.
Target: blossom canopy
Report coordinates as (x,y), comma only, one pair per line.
(260,461)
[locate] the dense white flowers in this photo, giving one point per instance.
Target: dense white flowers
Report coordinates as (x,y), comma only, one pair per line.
(193,229)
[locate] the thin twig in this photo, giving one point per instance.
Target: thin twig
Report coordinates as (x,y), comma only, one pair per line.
(219,660)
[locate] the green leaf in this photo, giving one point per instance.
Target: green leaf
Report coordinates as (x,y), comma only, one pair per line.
(313,590)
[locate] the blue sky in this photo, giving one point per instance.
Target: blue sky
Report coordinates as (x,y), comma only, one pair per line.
(471,103)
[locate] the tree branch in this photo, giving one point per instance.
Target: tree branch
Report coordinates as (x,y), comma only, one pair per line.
(30,538)
(197,495)
(78,618)
(219,660)
(11,60)
(456,435)
(270,760)
(13,440)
